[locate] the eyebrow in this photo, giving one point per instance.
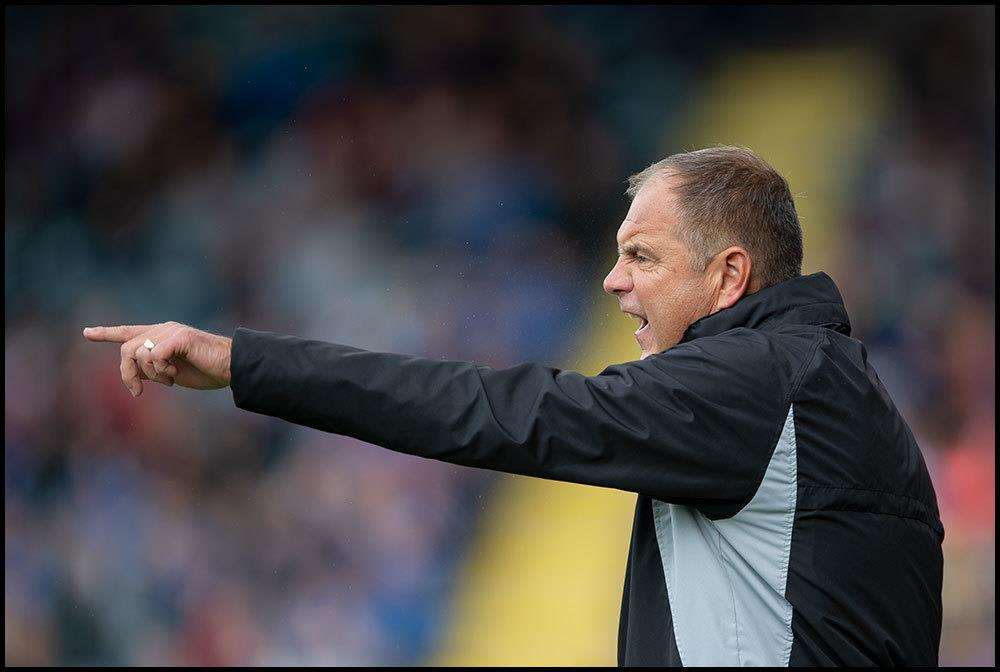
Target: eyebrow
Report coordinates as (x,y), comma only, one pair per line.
(634,248)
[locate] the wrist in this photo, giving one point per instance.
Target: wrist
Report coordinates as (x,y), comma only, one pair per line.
(227,360)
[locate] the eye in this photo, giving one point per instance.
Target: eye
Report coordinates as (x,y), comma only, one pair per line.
(641,258)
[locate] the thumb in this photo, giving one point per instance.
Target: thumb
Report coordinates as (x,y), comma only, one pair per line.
(174,346)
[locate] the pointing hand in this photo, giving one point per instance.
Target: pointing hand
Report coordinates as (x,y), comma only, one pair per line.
(179,354)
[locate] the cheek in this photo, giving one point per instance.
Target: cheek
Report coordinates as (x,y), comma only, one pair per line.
(672,307)
(662,303)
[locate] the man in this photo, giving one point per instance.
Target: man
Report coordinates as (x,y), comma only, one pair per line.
(784,515)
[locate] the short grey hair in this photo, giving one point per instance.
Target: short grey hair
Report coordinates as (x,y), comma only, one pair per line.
(731,196)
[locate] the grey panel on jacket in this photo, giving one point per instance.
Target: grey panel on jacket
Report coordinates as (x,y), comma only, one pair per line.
(726,578)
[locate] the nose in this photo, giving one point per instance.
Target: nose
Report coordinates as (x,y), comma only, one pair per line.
(618,281)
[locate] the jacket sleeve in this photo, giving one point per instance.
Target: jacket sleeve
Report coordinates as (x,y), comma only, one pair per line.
(694,425)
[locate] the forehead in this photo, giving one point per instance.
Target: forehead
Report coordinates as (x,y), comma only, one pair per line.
(652,216)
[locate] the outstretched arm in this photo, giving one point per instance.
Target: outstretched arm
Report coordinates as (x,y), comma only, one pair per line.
(685,426)
(693,425)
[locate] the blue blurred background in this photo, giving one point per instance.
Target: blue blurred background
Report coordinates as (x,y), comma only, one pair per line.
(443,182)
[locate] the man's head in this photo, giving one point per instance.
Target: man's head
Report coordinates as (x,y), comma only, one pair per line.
(704,229)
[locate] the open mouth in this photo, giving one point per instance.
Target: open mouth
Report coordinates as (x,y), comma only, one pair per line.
(643,324)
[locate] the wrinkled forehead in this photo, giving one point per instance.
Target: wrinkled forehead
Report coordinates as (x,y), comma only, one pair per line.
(653,214)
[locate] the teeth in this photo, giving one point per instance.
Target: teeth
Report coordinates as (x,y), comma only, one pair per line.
(641,320)
(642,323)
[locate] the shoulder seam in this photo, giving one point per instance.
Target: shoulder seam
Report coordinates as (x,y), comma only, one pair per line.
(793,389)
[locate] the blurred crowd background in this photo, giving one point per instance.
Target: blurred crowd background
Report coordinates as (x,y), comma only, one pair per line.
(442,182)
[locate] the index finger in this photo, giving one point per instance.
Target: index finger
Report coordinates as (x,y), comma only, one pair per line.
(117,334)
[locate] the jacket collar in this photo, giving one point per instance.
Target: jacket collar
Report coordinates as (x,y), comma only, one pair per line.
(808,299)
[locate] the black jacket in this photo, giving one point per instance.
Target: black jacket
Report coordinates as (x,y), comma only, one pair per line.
(785,514)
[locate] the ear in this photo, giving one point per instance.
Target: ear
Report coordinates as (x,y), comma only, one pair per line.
(734,267)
